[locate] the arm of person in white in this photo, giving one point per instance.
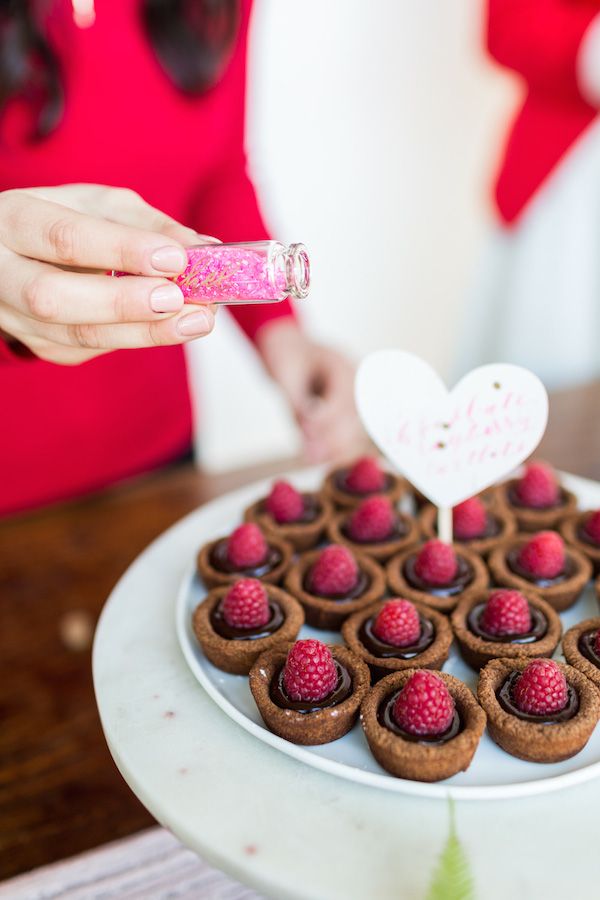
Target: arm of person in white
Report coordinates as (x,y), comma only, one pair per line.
(588,64)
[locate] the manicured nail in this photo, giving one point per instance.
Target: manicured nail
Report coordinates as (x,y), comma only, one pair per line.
(169,259)
(195,324)
(166,298)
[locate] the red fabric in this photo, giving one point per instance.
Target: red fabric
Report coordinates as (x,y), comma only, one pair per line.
(67,430)
(540,40)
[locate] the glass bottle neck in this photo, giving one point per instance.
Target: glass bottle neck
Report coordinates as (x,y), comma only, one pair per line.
(293,266)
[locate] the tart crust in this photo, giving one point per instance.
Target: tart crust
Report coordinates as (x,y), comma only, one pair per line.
(529,518)
(348,500)
(400,587)
(477,652)
(238,656)
(323,612)
(320,726)
(422,761)
(529,740)
(215,578)
(433,657)
(379,550)
(301,535)
(483,546)
(569,526)
(561,595)
(573,654)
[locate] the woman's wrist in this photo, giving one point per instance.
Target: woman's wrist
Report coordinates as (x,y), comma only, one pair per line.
(588,64)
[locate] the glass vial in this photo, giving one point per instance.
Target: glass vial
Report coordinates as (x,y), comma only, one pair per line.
(252,272)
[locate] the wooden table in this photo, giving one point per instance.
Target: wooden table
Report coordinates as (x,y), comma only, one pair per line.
(60,793)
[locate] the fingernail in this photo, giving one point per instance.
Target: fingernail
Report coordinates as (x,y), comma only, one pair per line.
(169,259)
(195,324)
(166,298)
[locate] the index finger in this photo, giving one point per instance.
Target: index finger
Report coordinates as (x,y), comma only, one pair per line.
(41,229)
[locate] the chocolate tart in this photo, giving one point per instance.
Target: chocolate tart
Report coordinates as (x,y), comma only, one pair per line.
(430,652)
(302,535)
(235,650)
(330,612)
(578,652)
(530,518)
(560,592)
(270,572)
(522,736)
(335,490)
(471,580)
(421,759)
(406,535)
(572,530)
(501,524)
(477,650)
(316,722)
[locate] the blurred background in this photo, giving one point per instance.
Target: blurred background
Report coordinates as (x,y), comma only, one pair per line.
(373,135)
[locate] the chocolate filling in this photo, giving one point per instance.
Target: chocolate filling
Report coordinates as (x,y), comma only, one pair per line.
(382,649)
(340,481)
(463,577)
(363,583)
(539,627)
(586,538)
(515,500)
(512,561)
(310,511)
(585,646)
(385,717)
(504,695)
(219,560)
(232,633)
(341,692)
(399,530)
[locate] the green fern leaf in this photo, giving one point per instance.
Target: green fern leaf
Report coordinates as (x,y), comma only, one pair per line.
(452,879)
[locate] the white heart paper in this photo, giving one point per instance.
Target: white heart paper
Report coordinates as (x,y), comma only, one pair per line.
(450,444)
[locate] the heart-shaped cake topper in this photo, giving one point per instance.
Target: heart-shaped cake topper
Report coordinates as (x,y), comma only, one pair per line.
(450,444)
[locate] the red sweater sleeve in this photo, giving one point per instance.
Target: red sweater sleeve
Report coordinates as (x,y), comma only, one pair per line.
(228,207)
(540,39)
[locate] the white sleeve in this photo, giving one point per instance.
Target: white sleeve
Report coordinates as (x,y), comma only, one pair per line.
(588,64)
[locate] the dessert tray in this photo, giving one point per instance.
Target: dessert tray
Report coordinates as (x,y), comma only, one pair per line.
(492,773)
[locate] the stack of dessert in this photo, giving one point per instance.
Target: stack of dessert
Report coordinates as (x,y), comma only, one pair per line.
(346,558)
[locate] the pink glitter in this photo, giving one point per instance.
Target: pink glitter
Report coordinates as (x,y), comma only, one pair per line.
(217,273)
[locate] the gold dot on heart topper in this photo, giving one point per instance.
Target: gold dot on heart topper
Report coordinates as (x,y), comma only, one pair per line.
(451,444)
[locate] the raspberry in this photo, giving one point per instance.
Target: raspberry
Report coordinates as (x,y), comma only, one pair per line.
(506,612)
(246,604)
(424,705)
(398,623)
(310,672)
(469,519)
(372,520)
(544,555)
(335,571)
(538,486)
(365,476)
(284,503)
(436,563)
(592,527)
(246,546)
(541,688)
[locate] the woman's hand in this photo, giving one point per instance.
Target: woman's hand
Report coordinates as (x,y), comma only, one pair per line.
(56,245)
(319,385)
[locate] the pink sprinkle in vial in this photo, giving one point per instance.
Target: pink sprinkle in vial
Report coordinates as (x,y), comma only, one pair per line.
(253,272)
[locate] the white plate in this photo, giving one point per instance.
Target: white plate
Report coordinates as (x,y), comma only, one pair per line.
(492,774)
